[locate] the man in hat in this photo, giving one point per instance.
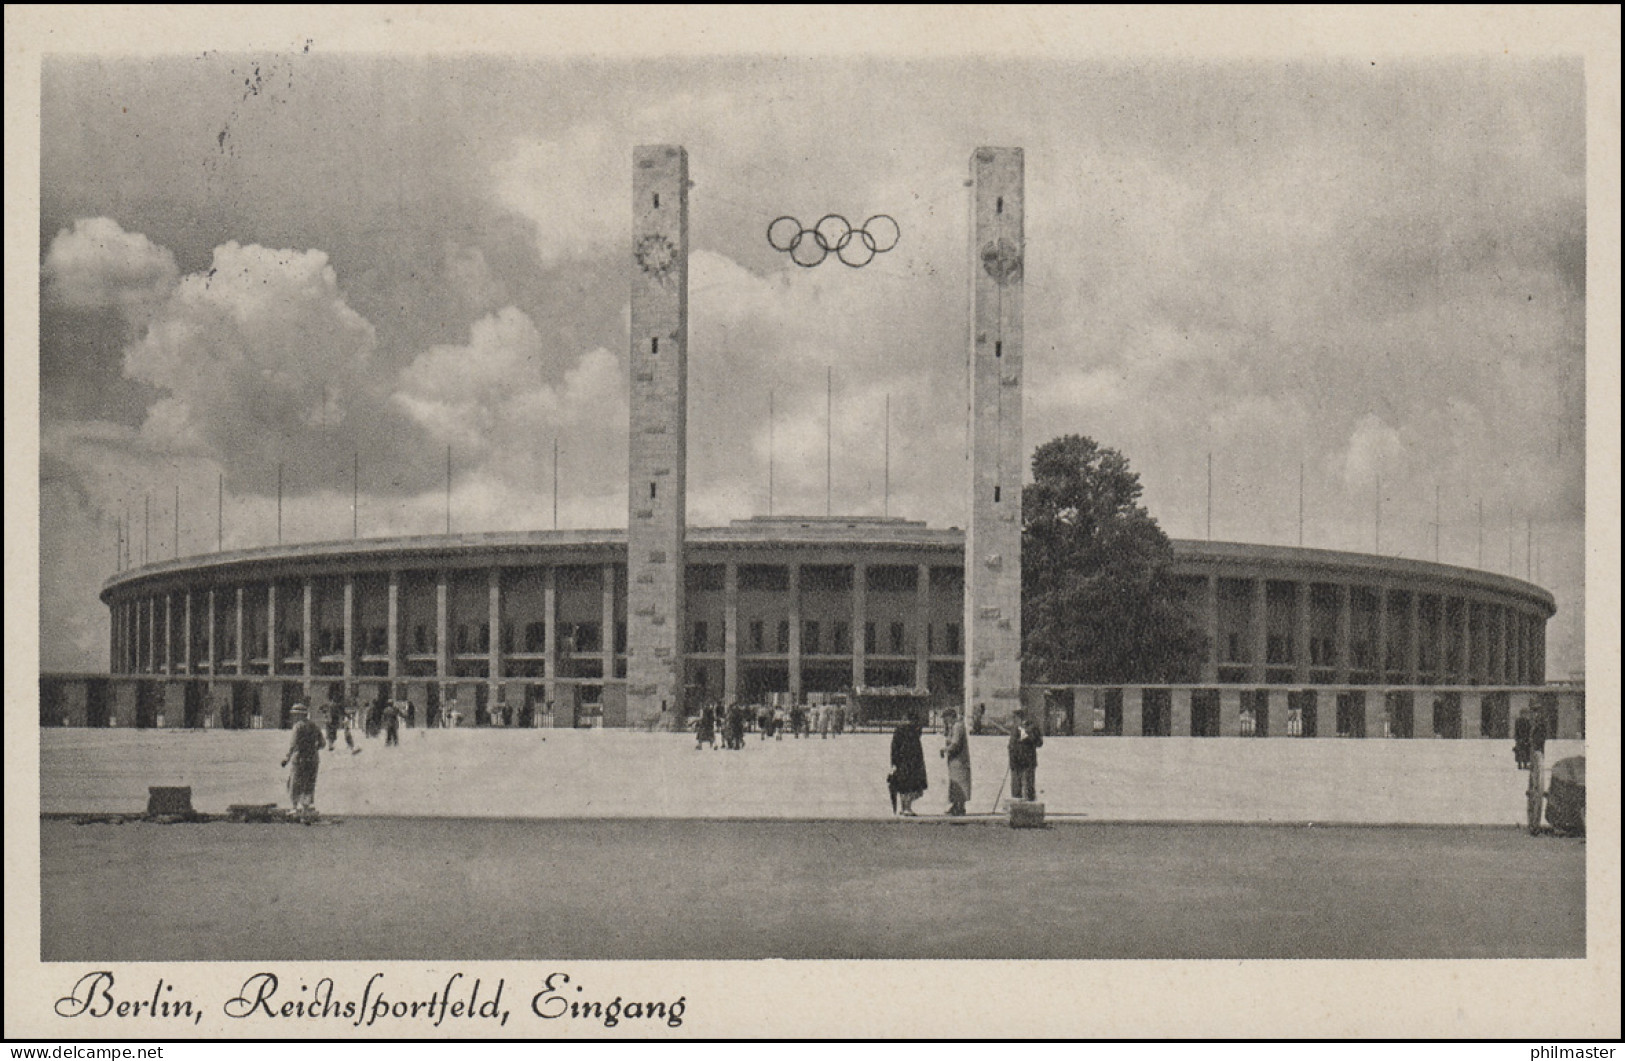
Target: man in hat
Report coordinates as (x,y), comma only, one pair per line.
(305,754)
(956,750)
(1025,738)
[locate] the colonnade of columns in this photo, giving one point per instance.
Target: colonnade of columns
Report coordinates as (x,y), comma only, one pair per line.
(156,633)
(1471,639)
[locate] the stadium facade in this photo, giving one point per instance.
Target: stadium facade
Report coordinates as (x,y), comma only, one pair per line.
(532,629)
(639,627)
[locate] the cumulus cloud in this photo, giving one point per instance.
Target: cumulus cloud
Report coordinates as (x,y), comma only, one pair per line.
(97,265)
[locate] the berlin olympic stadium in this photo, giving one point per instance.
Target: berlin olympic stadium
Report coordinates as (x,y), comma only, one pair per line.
(641,627)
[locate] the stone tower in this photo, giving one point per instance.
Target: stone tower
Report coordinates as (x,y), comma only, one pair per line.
(658,443)
(993,540)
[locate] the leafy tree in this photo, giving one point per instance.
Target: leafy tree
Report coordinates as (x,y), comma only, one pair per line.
(1097,602)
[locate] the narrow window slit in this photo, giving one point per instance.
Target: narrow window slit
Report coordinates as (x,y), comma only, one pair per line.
(995,495)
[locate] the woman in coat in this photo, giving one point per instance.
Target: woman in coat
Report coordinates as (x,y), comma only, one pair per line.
(956,750)
(908,765)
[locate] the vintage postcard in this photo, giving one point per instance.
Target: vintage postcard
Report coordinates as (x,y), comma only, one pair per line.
(978,522)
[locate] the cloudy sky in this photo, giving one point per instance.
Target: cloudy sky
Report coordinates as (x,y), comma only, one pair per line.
(1372,271)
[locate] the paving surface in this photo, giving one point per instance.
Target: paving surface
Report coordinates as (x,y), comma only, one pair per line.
(491,889)
(618,774)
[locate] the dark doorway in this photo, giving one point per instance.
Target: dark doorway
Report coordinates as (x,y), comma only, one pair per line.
(1205,713)
(192,701)
(146,704)
(96,713)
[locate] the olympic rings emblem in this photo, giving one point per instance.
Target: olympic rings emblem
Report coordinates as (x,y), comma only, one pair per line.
(855,247)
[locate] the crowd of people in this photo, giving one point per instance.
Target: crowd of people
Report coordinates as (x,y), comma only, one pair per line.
(718,726)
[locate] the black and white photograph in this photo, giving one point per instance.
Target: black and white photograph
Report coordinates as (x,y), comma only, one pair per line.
(642,523)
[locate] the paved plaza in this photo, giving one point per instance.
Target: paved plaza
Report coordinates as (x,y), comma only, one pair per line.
(495,773)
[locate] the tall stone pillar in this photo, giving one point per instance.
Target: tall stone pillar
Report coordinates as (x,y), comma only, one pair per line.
(860,611)
(795,632)
(730,632)
(152,637)
(167,664)
(1470,661)
(993,537)
(657,474)
(1441,671)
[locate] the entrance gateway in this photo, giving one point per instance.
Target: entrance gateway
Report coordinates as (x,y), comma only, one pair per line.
(658,435)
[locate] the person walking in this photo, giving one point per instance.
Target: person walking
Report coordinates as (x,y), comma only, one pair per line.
(1025,739)
(1520,739)
(392,723)
(705,732)
(956,749)
(304,752)
(908,778)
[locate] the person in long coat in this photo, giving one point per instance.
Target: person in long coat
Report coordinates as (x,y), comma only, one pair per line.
(305,754)
(908,778)
(956,749)
(706,731)
(1025,739)
(1520,739)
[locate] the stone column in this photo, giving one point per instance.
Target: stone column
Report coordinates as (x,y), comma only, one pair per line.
(166,661)
(186,635)
(1133,711)
(1345,633)
(242,647)
(1493,674)
(550,649)
(860,610)
(270,626)
(995,362)
(922,623)
(794,574)
(1179,713)
(307,643)
(392,636)
(1470,667)
(347,641)
(657,452)
(152,637)
(1229,712)
(606,617)
(493,658)
(730,632)
(442,633)
(1380,649)
(1441,672)
(1260,630)
(1210,621)
(1304,600)
(1413,639)
(213,647)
